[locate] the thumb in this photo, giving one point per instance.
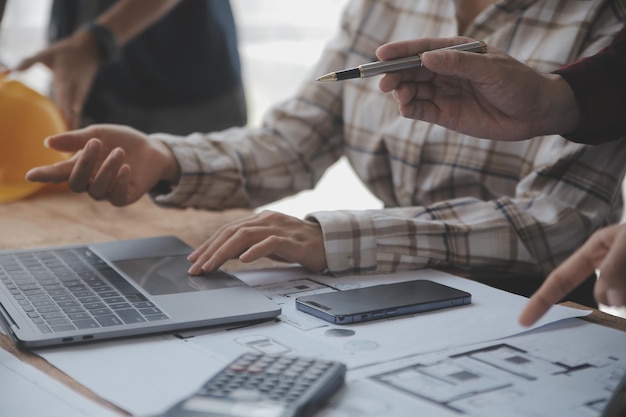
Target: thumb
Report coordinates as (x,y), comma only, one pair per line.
(461,64)
(399,49)
(26,63)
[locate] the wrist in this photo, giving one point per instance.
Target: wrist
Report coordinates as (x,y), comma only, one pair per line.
(562,113)
(170,168)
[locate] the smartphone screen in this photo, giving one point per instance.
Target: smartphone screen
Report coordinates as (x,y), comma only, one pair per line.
(382,301)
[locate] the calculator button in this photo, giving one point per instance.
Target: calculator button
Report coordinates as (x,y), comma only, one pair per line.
(242,394)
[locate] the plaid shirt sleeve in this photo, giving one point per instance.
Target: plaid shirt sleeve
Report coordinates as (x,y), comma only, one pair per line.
(552,211)
(599,84)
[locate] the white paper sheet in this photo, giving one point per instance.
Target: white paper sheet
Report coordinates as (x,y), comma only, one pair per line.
(147,375)
(492,314)
(28,392)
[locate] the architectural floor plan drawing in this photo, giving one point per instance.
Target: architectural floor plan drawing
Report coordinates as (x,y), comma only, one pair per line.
(546,374)
(479,380)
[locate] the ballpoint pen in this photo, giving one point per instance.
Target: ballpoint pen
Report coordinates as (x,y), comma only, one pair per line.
(379,67)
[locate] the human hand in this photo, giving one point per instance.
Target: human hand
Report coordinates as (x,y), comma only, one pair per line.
(605,250)
(490,95)
(114,163)
(74,62)
(266,234)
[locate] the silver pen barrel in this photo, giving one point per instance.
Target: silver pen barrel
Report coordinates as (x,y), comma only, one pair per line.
(375,68)
(379,67)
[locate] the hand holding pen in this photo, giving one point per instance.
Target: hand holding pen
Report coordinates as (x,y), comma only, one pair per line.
(490,95)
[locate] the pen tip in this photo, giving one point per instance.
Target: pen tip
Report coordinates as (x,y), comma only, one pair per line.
(327,78)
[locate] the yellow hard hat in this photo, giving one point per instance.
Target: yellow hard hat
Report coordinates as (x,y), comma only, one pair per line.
(26,118)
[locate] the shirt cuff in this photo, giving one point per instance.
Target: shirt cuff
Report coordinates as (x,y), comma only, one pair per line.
(349,241)
(188,188)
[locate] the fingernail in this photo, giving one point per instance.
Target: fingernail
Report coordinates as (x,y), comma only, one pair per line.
(208,266)
(434,57)
(615,298)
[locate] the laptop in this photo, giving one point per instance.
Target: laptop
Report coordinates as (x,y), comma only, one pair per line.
(62,295)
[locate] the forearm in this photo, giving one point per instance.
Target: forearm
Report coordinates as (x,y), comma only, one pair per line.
(244,167)
(600,88)
(507,240)
(390,240)
(553,210)
(2,5)
(99,44)
(128,18)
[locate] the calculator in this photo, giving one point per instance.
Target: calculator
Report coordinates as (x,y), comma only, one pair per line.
(264,385)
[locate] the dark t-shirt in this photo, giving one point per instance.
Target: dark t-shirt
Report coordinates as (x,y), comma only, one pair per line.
(599,84)
(189,55)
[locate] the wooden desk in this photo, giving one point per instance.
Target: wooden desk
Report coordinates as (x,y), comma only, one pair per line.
(58,217)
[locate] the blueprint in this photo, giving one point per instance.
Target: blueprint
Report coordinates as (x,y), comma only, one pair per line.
(570,371)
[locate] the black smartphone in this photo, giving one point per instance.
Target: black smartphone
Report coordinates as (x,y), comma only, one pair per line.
(382,301)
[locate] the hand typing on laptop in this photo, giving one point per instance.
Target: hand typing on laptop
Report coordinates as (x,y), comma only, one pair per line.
(121,164)
(266,234)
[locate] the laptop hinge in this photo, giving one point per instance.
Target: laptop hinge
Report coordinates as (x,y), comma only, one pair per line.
(8,320)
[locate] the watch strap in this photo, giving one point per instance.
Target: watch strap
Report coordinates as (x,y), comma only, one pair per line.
(108,46)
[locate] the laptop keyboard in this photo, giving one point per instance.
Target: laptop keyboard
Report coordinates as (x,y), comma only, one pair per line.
(69,289)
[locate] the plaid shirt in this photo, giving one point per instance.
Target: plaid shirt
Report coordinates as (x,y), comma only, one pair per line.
(450,200)
(599,83)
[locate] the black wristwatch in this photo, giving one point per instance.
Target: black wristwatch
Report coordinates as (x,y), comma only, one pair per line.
(107,44)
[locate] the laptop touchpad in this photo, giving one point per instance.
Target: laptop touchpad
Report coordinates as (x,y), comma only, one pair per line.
(168,275)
